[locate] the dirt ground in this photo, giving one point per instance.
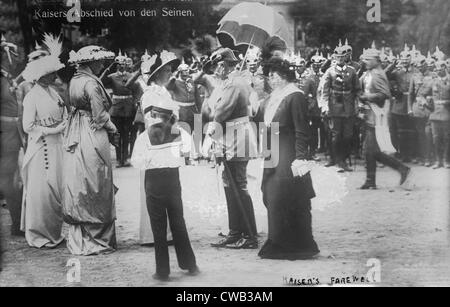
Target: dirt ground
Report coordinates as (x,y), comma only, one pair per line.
(407,231)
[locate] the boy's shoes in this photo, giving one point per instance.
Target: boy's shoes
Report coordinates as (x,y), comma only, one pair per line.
(245,243)
(194,271)
(368,186)
(231,238)
(159,277)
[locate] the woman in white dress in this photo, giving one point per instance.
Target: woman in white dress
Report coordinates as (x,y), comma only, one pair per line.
(44,119)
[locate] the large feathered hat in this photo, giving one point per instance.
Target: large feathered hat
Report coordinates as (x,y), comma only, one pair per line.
(37,53)
(90,54)
(159,60)
(46,64)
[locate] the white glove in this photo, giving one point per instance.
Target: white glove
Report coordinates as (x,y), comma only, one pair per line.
(301,167)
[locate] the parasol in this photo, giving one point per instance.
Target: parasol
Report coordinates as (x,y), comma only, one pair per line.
(253,24)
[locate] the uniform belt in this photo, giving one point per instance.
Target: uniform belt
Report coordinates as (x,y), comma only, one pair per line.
(442,101)
(122,97)
(185,104)
(9,119)
(341,92)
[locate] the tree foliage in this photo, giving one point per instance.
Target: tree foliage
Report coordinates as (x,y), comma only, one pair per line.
(327,21)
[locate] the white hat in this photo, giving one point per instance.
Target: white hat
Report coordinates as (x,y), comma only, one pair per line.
(46,64)
(159,60)
(39,52)
(90,54)
(164,104)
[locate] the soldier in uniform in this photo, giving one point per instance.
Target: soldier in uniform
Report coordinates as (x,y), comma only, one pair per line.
(438,97)
(231,113)
(309,86)
(183,91)
(340,89)
(375,93)
(419,112)
(349,58)
(402,125)
(10,140)
(123,109)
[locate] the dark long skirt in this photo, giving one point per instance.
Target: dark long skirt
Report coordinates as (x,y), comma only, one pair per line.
(289,213)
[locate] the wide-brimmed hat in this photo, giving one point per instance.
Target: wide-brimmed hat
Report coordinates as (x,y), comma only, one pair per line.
(221,54)
(46,64)
(90,54)
(37,53)
(159,60)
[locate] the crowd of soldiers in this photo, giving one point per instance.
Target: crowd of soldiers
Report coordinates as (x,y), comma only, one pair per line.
(416,121)
(418,114)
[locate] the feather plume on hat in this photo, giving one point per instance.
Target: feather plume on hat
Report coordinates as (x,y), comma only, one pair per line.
(47,64)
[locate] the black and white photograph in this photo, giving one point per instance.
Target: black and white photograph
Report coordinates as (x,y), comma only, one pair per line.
(224,148)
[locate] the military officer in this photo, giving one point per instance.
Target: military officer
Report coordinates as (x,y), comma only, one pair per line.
(340,88)
(10,140)
(402,125)
(438,96)
(123,110)
(419,112)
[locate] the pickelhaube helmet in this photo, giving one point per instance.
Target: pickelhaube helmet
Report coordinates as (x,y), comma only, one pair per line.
(145,56)
(120,58)
(347,47)
(340,50)
(438,55)
(405,55)
(317,59)
(430,61)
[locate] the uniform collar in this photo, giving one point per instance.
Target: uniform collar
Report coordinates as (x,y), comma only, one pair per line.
(341,68)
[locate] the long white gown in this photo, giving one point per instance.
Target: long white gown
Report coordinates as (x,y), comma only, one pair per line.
(42,168)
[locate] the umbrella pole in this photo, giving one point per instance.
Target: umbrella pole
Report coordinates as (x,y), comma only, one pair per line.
(246,53)
(234,189)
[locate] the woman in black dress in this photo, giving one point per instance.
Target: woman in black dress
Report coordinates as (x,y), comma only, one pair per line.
(286,196)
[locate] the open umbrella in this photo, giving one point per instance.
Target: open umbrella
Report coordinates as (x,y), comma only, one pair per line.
(253,24)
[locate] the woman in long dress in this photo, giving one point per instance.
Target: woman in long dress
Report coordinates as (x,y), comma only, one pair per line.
(44,120)
(89,206)
(287,185)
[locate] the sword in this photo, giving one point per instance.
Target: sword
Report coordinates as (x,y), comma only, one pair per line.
(234,188)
